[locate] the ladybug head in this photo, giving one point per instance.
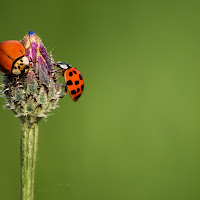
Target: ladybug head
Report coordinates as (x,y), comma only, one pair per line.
(20,65)
(63,65)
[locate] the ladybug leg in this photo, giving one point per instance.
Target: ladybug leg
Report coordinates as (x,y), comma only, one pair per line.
(59,75)
(59,71)
(65,92)
(25,70)
(31,60)
(55,77)
(55,72)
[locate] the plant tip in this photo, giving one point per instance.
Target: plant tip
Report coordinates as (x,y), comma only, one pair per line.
(31,33)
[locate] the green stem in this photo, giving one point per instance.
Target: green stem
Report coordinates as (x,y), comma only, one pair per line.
(28,157)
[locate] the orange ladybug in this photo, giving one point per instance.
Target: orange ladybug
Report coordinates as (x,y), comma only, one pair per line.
(12,59)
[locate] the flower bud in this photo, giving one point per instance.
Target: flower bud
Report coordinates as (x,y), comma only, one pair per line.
(32,95)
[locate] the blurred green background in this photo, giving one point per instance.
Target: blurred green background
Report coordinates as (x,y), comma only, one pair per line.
(135,132)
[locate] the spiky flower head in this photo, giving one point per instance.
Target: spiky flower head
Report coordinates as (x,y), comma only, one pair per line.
(34,94)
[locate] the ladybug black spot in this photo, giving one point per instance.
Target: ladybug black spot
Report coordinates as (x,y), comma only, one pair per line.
(77,97)
(21,60)
(74,72)
(78,90)
(76,82)
(21,64)
(80,76)
(82,87)
(70,74)
(18,67)
(73,92)
(69,82)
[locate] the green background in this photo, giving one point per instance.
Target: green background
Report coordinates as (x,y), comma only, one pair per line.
(135,132)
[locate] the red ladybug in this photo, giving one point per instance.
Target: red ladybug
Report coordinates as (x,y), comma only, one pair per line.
(73,79)
(12,59)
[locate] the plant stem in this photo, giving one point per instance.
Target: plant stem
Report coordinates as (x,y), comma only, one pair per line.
(28,157)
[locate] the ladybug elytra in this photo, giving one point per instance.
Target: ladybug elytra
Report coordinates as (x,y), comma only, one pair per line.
(12,59)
